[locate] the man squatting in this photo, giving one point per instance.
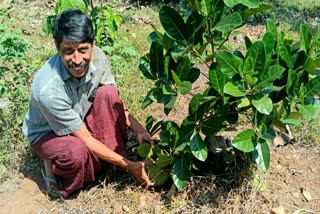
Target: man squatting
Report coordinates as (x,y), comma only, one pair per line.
(76,121)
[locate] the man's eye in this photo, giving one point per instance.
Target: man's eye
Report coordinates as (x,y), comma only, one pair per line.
(83,50)
(68,51)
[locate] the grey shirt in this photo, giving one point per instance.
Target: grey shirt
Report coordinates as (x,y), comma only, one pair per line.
(59,102)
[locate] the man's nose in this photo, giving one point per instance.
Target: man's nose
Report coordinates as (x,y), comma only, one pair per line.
(77,58)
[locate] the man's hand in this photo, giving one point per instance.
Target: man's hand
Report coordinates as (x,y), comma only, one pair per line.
(144,137)
(137,169)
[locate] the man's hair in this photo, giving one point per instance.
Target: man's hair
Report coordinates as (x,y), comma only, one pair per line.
(73,26)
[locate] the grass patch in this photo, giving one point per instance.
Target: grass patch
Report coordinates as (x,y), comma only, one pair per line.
(130,81)
(293,13)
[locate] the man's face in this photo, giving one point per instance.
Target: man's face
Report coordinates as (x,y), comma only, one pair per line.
(76,57)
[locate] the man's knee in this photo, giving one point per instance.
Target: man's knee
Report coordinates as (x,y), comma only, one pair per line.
(109,92)
(73,157)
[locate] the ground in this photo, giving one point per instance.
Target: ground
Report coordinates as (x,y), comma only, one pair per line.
(291,185)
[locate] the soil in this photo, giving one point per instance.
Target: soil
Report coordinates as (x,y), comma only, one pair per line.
(291,185)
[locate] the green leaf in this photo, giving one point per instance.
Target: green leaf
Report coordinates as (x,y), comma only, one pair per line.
(71,4)
(217,79)
(164,160)
(245,140)
(167,90)
(183,68)
(269,135)
(285,56)
(263,105)
(173,23)
(197,106)
(181,170)
(313,87)
(144,150)
(144,66)
(244,102)
(248,67)
(310,66)
(167,42)
(48,23)
(257,52)
(261,155)
(268,76)
(228,63)
(234,90)
(156,128)
(195,28)
(213,125)
(305,38)
(156,58)
(175,78)
(169,104)
(157,175)
(153,36)
(206,7)
(247,42)
(149,123)
(291,121)
(185,87)
(229,22)
(194,103)
(156,95)
(248,3)
(307,110)
(271,27)
(269,42)
(252,11)
(294,118)
(292,76)
(146,102)
(193,75)
(198,147)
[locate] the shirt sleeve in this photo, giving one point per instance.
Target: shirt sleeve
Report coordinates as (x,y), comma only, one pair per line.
(56,108)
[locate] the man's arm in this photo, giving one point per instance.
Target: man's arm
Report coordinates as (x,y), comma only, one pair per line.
(102,151)
(140,132)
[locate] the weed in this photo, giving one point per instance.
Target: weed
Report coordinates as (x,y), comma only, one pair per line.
(14,84)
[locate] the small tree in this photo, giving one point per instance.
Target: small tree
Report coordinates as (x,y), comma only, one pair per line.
(274,81)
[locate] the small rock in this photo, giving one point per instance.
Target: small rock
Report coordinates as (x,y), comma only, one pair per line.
(142,200)
(306,194)
(278,141)
(125,208)
(278,210)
